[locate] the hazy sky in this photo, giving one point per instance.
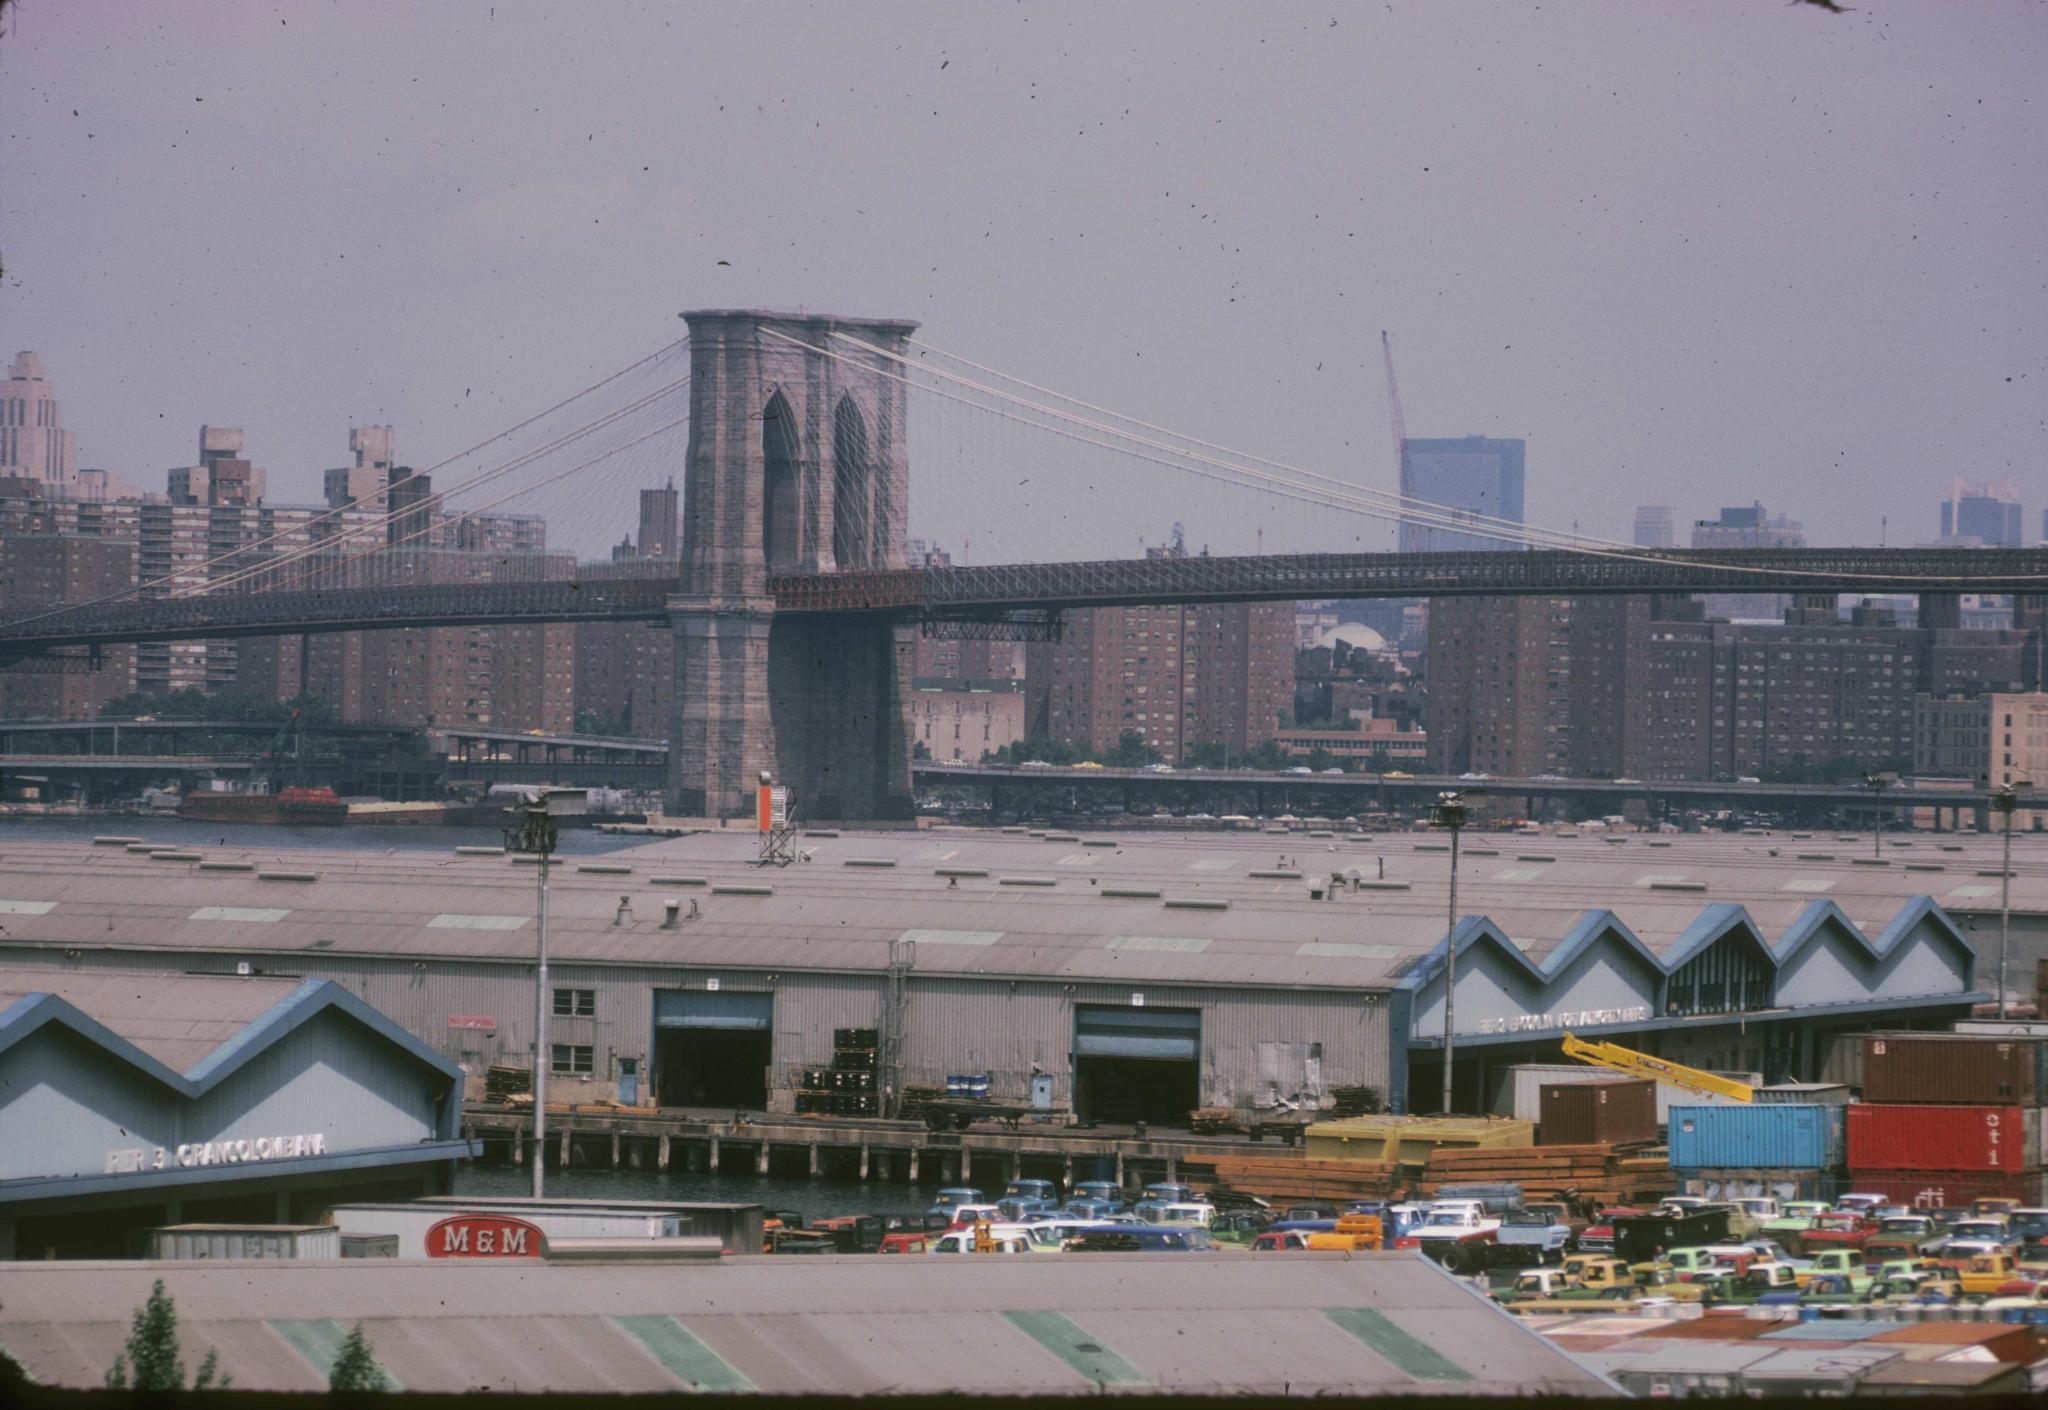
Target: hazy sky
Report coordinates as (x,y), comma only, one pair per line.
(1696,253)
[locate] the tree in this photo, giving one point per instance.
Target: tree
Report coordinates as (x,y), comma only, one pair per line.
(1131,752)
(150,1359)
(355,1367)
(918,750)
(1320,758)
(1268,755)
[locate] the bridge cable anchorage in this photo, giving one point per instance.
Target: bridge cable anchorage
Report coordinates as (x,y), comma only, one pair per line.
(1357,498)
(137,588)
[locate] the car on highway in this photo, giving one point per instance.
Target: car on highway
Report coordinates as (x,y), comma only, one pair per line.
(1299,769)
(1473,777)
(1034,764)
(1333,771)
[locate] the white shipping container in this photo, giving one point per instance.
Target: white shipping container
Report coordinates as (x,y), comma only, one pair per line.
(188,1242)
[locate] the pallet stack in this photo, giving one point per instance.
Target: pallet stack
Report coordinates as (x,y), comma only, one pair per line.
(849,1087)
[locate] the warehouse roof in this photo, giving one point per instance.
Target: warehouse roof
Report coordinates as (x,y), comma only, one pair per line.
(1375,1324)
(188,1031)
(1213,908)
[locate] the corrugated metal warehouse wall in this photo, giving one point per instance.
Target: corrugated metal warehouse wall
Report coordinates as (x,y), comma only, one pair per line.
(1255,1043)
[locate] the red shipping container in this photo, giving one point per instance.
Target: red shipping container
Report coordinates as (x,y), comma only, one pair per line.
(1947,1189)
(1887,1137)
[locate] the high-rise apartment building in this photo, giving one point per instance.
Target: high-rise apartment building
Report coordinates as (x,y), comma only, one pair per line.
(1500,685)
(1473,478)
(1177,676)
(34,445)
(1999,737)
(1989,514)
(661,525)
(43,570)
(364,482)
(1747,526)
(222,476)
(1656,526)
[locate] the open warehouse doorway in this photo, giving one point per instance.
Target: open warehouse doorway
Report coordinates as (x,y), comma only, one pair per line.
(1137,1064)
(712,1047)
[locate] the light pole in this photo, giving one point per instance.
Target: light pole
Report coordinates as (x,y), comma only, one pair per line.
(1877,783)
(2006,799)
(1450,812)
(536,835)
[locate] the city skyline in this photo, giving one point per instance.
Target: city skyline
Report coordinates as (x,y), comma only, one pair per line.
(455,299)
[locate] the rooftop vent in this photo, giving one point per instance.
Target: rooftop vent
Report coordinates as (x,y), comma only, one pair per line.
(1368,884)
(1482,851)
(1535,856)
(680,880)
(1275,874)
(1870,861)
(1814,856)
(1130,893)
(115,841)
(959,871)
(479,851)
(1196,903)
(624,914)
(227,866)
(869,862)
(1432,846)
(174,856)
(819,832)
(604,868)
(1925,866)
(1678,886)
(287,876)
(742,889)
(1027,881)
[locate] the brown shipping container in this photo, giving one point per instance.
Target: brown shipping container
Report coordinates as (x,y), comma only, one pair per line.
(1589,1113)
(1938,1068)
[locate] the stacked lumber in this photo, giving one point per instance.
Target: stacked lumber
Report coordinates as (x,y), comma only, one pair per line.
(1597,1173)
(1214,1121)
(1282,1178)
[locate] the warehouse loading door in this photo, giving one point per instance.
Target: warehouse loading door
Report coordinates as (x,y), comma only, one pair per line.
(712,1047)
(1137,1064)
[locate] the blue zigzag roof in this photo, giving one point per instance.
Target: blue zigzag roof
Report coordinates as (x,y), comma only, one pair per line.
(1603,927)
(33,1011)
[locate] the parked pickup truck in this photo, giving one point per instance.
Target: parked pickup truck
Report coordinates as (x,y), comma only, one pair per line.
(1532,1236)
(1561,1213)
(1582,1279)
(1598,1236)
(1795,1217)
(1761,1281)
(1458,1234)
(1840,1230)
(1985,1274)
(1844,1263)
(1749,1215)
(1904,1235)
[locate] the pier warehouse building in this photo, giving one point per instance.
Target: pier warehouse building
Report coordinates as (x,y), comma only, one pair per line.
(1142,975)
(135,1098)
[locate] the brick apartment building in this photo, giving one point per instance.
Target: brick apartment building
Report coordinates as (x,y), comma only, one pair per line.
(1179,676)
(1645,688)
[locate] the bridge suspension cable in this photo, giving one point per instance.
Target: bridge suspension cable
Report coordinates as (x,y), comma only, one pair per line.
(1342,494)
(424,508)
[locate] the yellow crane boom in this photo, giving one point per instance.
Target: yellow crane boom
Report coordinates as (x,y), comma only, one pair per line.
(1672,1074)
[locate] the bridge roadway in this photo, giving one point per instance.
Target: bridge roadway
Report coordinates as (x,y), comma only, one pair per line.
(1421,788)
(991,592)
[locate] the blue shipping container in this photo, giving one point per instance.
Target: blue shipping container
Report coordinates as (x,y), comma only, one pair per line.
(1766,1136)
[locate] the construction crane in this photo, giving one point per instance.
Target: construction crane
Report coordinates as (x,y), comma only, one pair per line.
(1671,1074)
(1401,485)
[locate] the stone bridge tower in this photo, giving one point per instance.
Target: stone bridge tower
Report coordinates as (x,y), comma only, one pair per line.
(798,462)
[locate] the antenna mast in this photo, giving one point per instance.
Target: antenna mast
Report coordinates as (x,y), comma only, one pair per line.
(1400,425)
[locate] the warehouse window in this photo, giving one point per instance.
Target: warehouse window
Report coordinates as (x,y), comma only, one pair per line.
(572,1057)
(1728,977)
(575,1003)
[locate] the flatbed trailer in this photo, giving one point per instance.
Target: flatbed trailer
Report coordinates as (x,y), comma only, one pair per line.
(958,1115)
